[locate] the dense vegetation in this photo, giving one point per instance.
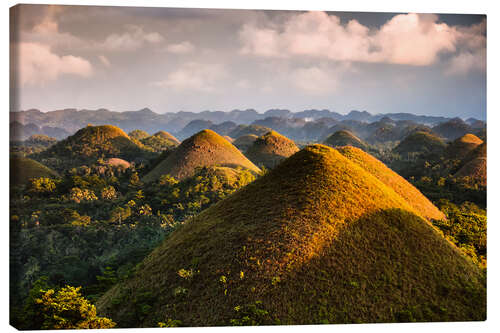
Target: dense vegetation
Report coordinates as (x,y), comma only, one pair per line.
(86,211)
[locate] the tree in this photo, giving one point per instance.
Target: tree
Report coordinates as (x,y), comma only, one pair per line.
(68,309)
(41,185)
(108,193)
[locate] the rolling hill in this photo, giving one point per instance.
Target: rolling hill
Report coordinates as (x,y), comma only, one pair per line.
(245,141)
(420,142)
(22,169)
(344,138)
(318,239)
(270,149)
(462,146)
(205,148)
(90,143)
(160,141)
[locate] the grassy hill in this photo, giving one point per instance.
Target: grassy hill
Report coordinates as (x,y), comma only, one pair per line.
(344,138)
(270,149)
(22,169)
(462,146)
(160,141)
(420,142)
(475,169)
(245,141)
(205,148)
(318,239)
(90,143)
(138,134)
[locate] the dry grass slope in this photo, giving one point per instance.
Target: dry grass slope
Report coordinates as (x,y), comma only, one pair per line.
(168,136)
(462,146)
(344,138)
(270,149)
(205,148)
(22,169)
(474,169)
(245,141)
(420,142)
(316,240)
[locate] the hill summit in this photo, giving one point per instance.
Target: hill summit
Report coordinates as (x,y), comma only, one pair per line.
(206,148)
(344,138)
(420,142)
(463,145)
(318,239)
(270,149)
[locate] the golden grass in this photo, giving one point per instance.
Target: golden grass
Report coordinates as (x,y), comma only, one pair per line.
(318,239)
(167,135)
(462,146)
(205,148)
(474,169)
(344,138)
(245,141)
(420,142)
(270,149)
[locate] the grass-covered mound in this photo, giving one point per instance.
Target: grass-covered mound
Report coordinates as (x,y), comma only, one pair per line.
(390,178)
(228,138)
(462,146)
(420,142)
(23,169)
(138,134)
(344,138)
(241,130)
(90,143)
(475,170)
(245,141)
(316,240)
(206,148)
(270,149)
(160,141)
(117,162)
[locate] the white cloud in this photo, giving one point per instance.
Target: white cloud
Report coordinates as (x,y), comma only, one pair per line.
(134,38)
(104,60)
(180,48)
(37,64)
(409,39)
(194,77)
(465,62)
(319,79)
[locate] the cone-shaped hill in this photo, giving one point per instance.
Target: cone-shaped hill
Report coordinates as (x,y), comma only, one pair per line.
(90,143)
(462,146)
(245,141)
(474,165)
(318,239)
(138,134)
(420,142)
(23,169)
(206,148)
(344,138)
(160,141)
(270,149)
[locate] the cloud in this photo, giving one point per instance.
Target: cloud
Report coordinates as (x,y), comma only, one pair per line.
(37,64)
(408,39)
(104,60)
(465,62)
(319,79)
(134,38)
(194,76)
(180,48)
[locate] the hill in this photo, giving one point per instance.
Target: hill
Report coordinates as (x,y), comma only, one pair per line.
(420,142)
(241,130)
(90,143)
(245,141)
(316,240)
(475,170)
(270,149)
(160,141)
(22,169)
(138,134)
(452,129)
(205,148)
(344,138)
(462,146)
(228,138)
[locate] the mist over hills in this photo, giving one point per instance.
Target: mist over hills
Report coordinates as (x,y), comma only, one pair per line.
(304,125)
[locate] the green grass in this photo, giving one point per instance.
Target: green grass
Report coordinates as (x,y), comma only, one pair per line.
(23,169)
(318,239)
(270,149)
(205,148)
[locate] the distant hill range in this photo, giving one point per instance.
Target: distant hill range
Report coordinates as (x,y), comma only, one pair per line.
(307,125)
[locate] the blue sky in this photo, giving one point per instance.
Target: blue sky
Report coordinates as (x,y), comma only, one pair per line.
(124,58)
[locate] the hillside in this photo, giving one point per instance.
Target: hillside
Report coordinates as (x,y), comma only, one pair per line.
(241,130)
(160,141)
(138,134)
(344,138)
(452,129)
(316,240)
(245,141)
(205,148)
(22,169)
(420,142)
(90,143)
(462,146)
(270,149)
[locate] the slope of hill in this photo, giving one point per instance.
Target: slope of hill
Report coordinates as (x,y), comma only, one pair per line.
(316,240)
(160,141)
(90,143)
(475,170)
(270,149)
(193,127)
(452,129)
(420,142)
(205,148)
(462,146)
(138,134)
(344,138)
(228,138)
(390,178)
(22,169)
(245,141)
(241,130)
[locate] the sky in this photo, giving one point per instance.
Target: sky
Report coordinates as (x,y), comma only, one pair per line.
(173,59)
